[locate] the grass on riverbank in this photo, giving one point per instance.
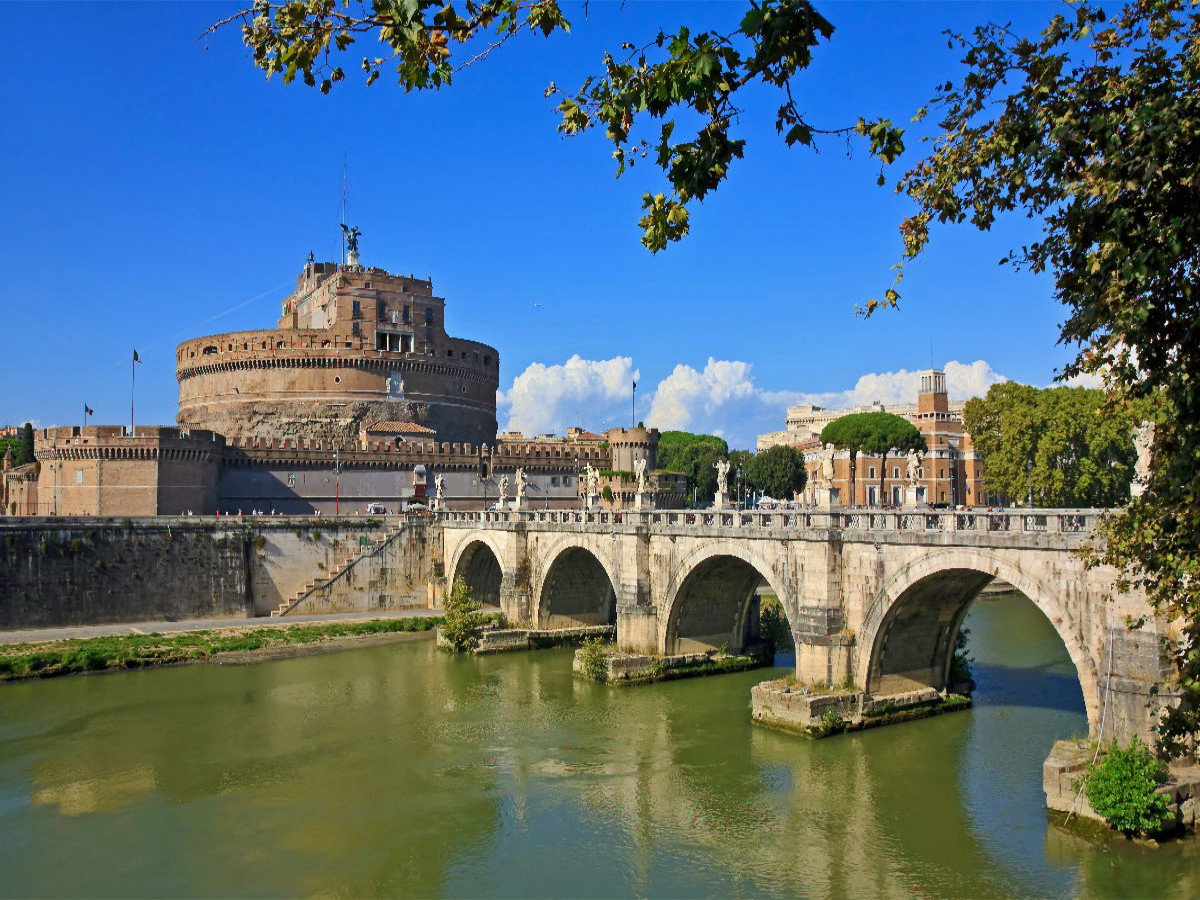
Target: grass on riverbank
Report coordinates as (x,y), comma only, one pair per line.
(134,651)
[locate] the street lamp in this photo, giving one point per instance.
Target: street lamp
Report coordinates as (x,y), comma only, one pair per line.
(739,477)
(1029,472)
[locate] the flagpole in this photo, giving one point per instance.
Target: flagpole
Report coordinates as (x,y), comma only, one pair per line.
(132,388)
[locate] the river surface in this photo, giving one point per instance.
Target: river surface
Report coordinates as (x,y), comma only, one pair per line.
(397,770)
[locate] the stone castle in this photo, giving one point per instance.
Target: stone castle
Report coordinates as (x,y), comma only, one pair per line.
(358,396)
(355,350)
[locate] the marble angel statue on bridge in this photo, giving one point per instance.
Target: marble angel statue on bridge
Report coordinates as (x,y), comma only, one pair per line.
(722,467)
(913,470)
(639,469)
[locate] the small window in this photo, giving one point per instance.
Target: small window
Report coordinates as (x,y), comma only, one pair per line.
(553,481)
(429,315)
(348,345)
(407,315)
(464,388)
(487,360)
(79,476)
(279,345)
(245,345)
(354,328)
(871,473)
(450,354)
(476,356)
(210,350)
(428,333)
(356,310)
(895,471)
(337,379)
(381,312)
(367,285)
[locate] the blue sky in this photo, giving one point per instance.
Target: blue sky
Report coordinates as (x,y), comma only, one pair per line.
(157,188)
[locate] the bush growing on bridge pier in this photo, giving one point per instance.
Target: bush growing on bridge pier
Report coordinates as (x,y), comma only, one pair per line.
(773,623)
(463,617)
(1121,784)
(593,659)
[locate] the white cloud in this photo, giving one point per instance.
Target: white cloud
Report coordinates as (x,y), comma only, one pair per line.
(547,399)
(1083,380)
(721,399)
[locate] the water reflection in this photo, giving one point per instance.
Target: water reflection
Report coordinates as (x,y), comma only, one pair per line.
(397,770)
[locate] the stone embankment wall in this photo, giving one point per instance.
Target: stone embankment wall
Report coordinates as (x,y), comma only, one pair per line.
(86,571)
(93,571)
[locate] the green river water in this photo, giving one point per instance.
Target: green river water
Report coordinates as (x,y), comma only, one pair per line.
(398,770)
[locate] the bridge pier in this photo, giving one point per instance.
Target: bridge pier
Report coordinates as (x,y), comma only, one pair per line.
(638,629)
(824,649)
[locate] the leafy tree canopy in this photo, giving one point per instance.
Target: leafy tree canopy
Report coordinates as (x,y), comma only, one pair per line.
(873,432)
(694,455)
(778,472)
(1082,454)
(637,97)
(1090,130)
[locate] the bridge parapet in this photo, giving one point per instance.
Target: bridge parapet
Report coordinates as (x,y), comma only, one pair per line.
(814,524)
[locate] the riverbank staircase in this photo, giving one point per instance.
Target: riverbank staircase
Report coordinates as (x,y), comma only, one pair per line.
(339,571)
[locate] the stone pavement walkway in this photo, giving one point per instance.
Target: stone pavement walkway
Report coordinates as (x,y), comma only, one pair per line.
(35,635)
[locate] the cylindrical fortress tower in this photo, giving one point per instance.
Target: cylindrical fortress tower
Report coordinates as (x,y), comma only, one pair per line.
(354,347)
(627,445)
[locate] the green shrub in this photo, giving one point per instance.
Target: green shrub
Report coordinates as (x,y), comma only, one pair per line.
(832,721)
(960,665)
(593,659)
(1120,786)
(773,623)
(607,494)
(463,618)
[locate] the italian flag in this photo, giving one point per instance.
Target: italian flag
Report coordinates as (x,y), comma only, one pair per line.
(87,410)
(136,358)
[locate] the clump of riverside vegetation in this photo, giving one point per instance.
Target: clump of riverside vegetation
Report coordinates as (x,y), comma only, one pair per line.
(593,659)
(133,651)
(463,617)
(1120,786)
(773,624)
(960,664)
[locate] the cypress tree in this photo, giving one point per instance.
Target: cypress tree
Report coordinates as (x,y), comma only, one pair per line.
(25,448)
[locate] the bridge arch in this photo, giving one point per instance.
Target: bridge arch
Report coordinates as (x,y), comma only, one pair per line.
(575,585)
(709,596)
(477,562)
(907,637)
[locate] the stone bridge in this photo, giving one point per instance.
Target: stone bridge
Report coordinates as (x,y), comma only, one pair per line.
(873,598)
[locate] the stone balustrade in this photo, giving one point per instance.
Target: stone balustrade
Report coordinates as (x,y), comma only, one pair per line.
(982,522)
